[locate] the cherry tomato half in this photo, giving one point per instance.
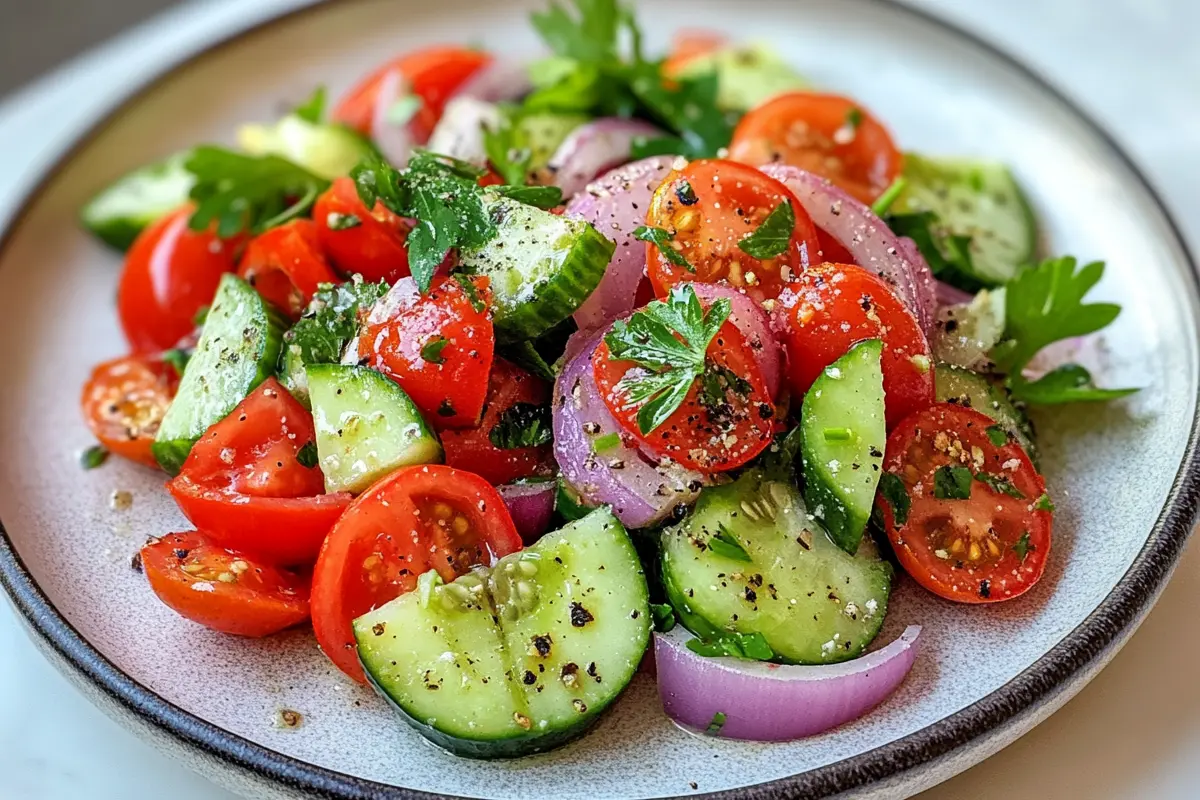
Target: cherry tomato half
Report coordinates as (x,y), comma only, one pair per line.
(690,44)
(975,526)
(822,133)
(472,449)
(831,307)
(285,264)
(709,207)
(170,273)
(358,241)
(124,401)
(414,520)
(244,487)
(438,346)
(223,590)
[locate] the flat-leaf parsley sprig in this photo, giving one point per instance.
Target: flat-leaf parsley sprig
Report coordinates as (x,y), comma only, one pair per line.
(668,341)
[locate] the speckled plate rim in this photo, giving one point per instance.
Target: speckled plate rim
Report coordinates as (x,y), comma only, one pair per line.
(1062,670)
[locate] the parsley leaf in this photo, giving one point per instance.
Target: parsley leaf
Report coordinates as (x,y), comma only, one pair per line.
(662,239)
(509,160)
(589,37)
(1043,503)
(307,455)
(725,544)
(663,616)
(718,722)
(688,106)
(522,425)
(93,457)
(894,493)
(1069,383)
(331,320)
(248,193)
(178,358)
(312,109)
(544,197)
(999,484)
(1022,547)
(772,237)
(670,340)
(431,351)
(952,483)
(750,646)
(997,435)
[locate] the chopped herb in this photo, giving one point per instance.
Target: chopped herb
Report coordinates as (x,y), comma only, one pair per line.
(404,109)
(312,109)
(331,320)
(307,455)
(669,338)
(662,240)
(663,616)
(726,545)
(201,316)
(889,196)
(431,351)
(1022,547)
(543,197)
(772,237)
(1069,383)
(837,434)
(997,435)
(602,444)
(717,381)
(854,118)
(510,161)
(718,722)
(895,494)
(177,358)
(340,222)
(750,646)
(93,457)
(952,483)
(522,425)
(468,286)
(1043,503)
(1000,484)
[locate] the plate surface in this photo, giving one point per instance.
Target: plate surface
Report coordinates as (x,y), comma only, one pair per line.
(1112,469)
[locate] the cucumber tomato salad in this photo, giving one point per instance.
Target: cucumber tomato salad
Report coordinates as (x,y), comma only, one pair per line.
(500,370)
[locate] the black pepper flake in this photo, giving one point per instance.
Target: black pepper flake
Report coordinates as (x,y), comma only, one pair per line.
(378,628)
(751,595)
(135,563)
(580,616)
(985,588)
(446,409)
(541,643)
(529,679)
(181,553)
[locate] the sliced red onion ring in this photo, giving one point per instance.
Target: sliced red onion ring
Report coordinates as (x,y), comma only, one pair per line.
(616,204)
(531,504)
(394,141)
(594,147)
(459,133)
(865,235)
(948,295)
(503,79)
(641,493)
(769,702)
(749,318)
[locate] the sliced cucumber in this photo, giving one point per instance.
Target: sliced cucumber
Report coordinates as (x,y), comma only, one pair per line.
(812,601)
(522,657)
(541,266)
(843,433)
(542,133)
(747,75)
(237,351)
(978,199)
(963,387)
(965,333)
(366,427)
(124,208)
(325,149)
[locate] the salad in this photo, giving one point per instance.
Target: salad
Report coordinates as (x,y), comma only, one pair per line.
(502,371)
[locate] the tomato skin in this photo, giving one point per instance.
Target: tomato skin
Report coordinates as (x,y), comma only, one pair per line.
(730,201)
(258,601)
(831,307)
(431,73)
(170,272)
(690,44)
(390,535)
(124,401)
(687,435)
(471,449)
(286,265)
(811,131)
(915,449)
(244,487)
(375,248)
(450,394)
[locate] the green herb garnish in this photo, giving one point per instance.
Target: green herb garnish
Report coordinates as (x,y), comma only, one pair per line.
(889,196)
(895,494)
(662,239)
(663,617)
(93,457)
(952,483)
(837,434)
(772,237)
(312,109)
(178,359)
(307,455)
(472,293)
(1022,547)
(602,444)
(750,646)
(522,425)
(1043,503)
(510,161)
(543,197)
(331,320)
(725,544)
(997,435)
(1000,484)
(431,351)
(718,722)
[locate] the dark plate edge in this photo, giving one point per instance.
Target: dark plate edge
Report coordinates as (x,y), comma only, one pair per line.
(1043,680)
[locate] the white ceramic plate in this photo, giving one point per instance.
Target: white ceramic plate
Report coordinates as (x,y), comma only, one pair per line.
(1123,475)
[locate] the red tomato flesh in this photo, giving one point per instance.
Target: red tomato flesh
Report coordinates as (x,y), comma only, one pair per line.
(358,241)
(124,401)
(286,266)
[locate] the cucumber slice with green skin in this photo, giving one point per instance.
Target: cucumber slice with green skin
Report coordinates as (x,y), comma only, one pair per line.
(963,387)
(519,658)
(124,208)
(366,427)
(325,149)
(747,75)
(542,133)
(568,503)
(238,350)
(965,333)
(813,602)
(844,436)
(292,373)
(541,266)
(979,199)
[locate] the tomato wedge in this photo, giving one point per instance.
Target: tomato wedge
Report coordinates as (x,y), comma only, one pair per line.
(438,346)
(357,241)
(689,44)
(221,589)
(286,265)
(968,518)
(827,134)
(708,207)
(170,273)
(244,486)
(472,449)
(432,74)
(417,519)
(831,307)
(124,401)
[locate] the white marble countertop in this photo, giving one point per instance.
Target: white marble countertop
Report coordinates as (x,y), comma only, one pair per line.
(1133,733)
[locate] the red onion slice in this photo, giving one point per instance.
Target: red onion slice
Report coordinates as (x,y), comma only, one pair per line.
(948,295)
(866,237)
(641,493)
(594,147)
(769,702)
(749,318)
(531,505)
(501,80)
(394,141)
(615,204)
